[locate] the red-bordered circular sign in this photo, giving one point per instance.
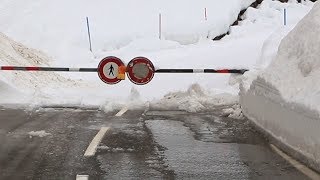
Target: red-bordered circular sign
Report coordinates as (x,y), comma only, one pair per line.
(108,69)
(140,70)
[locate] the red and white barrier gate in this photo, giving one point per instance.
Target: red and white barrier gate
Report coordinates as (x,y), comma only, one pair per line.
(111,70)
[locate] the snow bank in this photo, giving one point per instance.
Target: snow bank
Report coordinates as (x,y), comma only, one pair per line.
(20,87)
(59,27)
(283,99)
(42,88)
(270,13)
(296,69)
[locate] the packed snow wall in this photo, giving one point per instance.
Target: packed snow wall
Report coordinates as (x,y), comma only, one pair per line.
(284,99)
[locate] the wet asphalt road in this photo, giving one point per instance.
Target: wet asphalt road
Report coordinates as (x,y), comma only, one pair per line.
(139,145)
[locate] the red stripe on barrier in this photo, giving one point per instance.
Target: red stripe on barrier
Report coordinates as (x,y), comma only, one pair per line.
(7,68)
(32,68)
(223,71)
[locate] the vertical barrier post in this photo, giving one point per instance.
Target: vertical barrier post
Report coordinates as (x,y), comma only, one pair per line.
(89,35)
(160,24)
(205,14)
(285,16)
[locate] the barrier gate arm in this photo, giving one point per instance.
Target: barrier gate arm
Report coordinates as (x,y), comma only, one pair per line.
(20,68)
(230,71)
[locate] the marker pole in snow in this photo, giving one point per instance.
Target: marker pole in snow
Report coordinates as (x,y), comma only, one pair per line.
(89,35)
(205,14)
(160,24)
(285,16)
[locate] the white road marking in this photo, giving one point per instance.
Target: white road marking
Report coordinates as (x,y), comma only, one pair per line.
(82,177)
(122,111)
(302,168)
(91,150)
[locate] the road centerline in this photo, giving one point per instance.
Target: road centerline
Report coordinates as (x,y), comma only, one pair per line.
(122,111)
(92,148)
(82,177)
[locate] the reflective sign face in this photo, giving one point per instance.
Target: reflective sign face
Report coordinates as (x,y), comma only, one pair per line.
(140,70)
(108,69)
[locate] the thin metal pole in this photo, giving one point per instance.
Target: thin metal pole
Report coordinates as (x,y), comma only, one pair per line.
(160,24)
(205,14)
(89,34)
(285,16)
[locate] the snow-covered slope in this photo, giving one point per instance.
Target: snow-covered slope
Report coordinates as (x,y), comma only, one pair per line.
(296,69)
(59,27)
(284,98)
(23,87)
(62,36)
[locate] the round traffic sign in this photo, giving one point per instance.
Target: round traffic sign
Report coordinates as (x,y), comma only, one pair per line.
(140,70)
(108,69)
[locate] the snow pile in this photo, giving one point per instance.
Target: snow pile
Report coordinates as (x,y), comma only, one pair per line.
(21,86)
(195,99)
(41,133)
(234,112)
(296,69)
(132,102)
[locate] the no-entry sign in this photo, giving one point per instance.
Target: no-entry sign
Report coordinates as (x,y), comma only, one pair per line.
(140,70)
(108,69)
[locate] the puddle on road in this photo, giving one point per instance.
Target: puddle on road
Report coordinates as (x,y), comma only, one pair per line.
(129,152)
(208,147)
(190,158)
(208,127)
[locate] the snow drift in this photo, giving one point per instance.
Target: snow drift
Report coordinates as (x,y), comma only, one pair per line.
(284,98)
(23,87)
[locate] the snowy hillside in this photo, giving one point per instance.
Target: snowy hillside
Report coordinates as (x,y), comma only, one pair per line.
(27,87)
(119,29)
(59,27)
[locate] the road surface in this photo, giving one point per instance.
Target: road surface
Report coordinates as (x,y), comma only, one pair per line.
(71,143)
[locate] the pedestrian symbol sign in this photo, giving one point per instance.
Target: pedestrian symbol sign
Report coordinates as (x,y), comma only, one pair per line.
(108,70)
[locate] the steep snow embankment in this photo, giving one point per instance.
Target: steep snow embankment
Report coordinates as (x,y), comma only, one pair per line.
(26,87)
(284,98)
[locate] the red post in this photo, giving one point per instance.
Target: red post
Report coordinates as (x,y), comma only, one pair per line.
(160,23)
(205,14)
